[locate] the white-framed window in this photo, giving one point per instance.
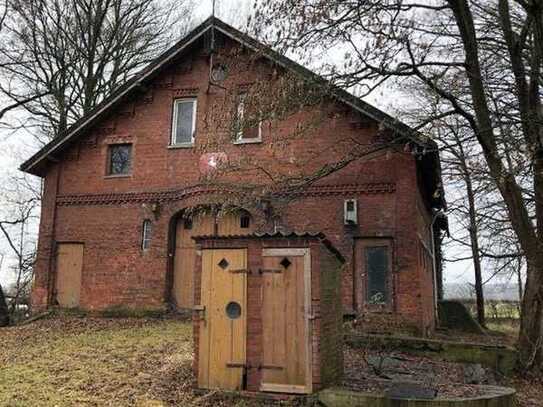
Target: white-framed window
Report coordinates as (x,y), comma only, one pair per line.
(246,130)
(183,122)
(146,234)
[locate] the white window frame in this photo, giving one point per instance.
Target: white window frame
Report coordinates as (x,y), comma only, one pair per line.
(173,137)
(239,134)
(146,232)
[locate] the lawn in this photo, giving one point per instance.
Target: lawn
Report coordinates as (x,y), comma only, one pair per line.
(144,362)
(69,361)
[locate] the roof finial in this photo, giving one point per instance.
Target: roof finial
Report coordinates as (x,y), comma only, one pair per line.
(213,9)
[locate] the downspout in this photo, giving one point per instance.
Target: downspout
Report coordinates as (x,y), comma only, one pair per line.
(53,246)
(436,215)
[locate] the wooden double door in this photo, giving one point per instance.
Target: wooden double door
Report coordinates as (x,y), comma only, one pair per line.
(232,223)
(283,311)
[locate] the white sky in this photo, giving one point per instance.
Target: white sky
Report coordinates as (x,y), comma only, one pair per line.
(17,147)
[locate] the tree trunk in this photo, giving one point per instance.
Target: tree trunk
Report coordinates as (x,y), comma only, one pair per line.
(4,314)
(474,240)
(530,335)
(531,322)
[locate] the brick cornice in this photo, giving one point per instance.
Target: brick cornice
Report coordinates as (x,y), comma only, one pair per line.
(184,193)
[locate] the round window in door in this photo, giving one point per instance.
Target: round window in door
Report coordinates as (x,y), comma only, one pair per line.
(233,310)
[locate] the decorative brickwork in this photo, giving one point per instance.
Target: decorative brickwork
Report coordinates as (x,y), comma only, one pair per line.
(106,214)
(176,195)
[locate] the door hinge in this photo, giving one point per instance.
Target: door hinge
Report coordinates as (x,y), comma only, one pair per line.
(262,271)
(240,271)
(234,365)
(270,367)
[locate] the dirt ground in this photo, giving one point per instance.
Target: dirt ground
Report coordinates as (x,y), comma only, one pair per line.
(69,360)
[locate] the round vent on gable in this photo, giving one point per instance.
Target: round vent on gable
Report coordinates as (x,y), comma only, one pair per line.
(219,72)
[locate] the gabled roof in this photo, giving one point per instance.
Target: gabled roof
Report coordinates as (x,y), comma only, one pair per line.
(36,164)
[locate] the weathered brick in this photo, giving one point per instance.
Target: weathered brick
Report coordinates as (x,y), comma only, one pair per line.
(106,214)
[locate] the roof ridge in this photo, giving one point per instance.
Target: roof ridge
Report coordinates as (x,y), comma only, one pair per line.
(148,72)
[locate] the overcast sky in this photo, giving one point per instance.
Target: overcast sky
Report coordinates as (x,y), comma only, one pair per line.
(18,146)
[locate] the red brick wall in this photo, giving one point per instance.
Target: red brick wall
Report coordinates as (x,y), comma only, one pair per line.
(106,213)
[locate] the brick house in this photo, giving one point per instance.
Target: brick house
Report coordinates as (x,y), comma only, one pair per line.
(127,186)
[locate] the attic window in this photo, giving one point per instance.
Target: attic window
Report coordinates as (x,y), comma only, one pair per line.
(119,159)
(247,127)
(184,122)
(219,73)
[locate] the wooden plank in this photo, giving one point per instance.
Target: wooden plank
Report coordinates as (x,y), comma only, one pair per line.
(68,278)
(204,324)
(185,256)
(226,337)
(286,308)
(284,252)
(283,388)
(308,317)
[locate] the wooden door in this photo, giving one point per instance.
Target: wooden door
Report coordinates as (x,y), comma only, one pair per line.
(231,223)
(222,335)
(68,278)
(286,311)
(185,253)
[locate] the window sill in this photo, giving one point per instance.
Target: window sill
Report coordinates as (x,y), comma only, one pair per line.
(247,141)
(177,146)
(117,176)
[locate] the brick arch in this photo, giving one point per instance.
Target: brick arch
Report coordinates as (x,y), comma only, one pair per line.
(175,211)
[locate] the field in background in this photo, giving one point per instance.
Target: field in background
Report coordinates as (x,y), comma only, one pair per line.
(501,315)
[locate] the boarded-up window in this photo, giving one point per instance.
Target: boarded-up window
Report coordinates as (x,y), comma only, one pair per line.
(377,266)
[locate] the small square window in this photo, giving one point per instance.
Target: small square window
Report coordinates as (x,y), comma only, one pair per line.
(184,122)
(245,222)
(119,159)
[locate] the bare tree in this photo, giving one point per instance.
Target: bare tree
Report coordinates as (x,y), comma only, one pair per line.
(18,226)
(477,214)
(482,59)
(62,57)
(4,313)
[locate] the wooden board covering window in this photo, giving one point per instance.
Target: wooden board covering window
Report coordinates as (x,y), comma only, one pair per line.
(68,278)
(185,254)
(185,250)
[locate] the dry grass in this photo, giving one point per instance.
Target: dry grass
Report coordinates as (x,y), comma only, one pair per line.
(70,361)
(143,362)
